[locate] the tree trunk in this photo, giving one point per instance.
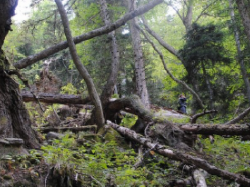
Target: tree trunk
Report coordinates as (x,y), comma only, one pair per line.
(239,57)
(210,90)
(112,80)
(141,87)
(244,13)
(99,118)
(54,98)
(14,118)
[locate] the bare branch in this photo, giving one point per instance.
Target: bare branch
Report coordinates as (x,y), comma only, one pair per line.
(169,73)
(196,116)
(158,38)
(239,117)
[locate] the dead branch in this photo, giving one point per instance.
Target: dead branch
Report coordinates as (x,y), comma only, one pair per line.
(181,156)
(196,116)
(239,117)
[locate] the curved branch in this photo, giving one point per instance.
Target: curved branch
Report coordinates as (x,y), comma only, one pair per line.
(169,73)
(97,32)
(158,38)
(196,116)
(80,67)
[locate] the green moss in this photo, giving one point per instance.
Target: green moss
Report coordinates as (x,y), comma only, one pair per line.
(3,120)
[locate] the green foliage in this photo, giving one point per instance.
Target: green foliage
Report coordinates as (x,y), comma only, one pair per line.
(230,154)
(69,89)
(101,160)
(129,120)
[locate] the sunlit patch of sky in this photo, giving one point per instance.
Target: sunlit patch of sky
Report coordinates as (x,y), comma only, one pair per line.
(22,11)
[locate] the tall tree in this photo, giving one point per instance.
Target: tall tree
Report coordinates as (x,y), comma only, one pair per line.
(14,118)
(140,78)
(239,52)
(109,87)
(245,16)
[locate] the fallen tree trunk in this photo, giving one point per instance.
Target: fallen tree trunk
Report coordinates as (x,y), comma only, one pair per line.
(54,98)
(181,156)
(220,129)
(73,129)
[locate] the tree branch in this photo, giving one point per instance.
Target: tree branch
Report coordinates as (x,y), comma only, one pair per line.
(159,39)
(169,73)
(97,32)
(239,117)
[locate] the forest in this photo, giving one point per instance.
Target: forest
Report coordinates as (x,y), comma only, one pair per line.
(131,93)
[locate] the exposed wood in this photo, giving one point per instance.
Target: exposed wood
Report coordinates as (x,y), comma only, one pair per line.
(97,32)
(54,98)
(239,117)
(73,129)
(98,113)
(199,177)
(181,156)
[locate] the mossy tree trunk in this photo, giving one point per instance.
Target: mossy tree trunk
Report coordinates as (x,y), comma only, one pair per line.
(14,118)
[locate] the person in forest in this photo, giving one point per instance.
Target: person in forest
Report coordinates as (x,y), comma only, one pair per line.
(182,104)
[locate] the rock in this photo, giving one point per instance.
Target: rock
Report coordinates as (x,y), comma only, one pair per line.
(53,135)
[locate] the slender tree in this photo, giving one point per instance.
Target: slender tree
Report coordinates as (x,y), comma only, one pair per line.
(82,70)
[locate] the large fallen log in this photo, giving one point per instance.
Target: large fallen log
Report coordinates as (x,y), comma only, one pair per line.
(54,98)
(180,156)
(219,129)
(73,129)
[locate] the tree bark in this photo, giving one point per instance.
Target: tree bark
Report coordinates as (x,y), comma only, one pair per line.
(14,118)
(244,13)
(219,129)
(82,70)
(112,80)
(181,156)
(94,33)
(73,129)
(140,77)
(54,98)
(239,52)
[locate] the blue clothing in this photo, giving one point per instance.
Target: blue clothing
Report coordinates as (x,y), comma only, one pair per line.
(183,105)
